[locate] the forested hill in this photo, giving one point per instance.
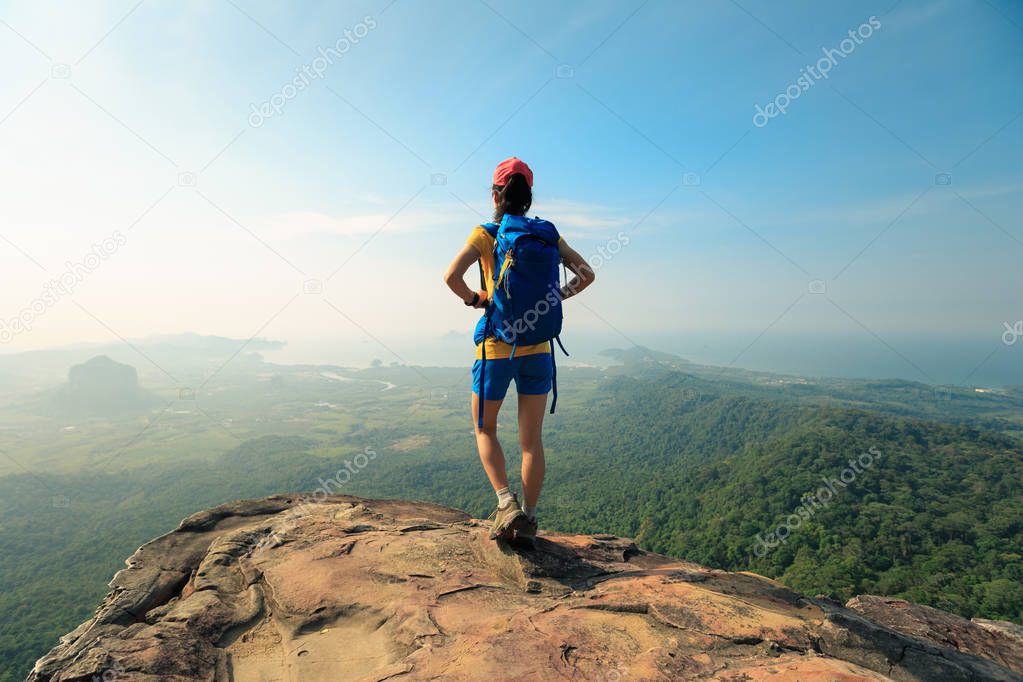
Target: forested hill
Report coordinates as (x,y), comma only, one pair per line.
(935,516)
(700,468)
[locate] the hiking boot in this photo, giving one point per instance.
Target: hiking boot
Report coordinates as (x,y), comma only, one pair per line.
(527,533)
(507,521)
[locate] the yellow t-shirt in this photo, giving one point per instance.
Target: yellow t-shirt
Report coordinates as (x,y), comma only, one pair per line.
(496,350)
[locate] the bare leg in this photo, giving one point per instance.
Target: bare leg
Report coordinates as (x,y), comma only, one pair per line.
(491,453)
(531,411)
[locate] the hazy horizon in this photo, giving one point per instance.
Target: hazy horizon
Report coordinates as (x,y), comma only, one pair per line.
(809,214)
(884,204)
(937,360)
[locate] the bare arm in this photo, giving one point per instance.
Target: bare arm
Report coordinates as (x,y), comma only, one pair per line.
(454,277)
(583,274)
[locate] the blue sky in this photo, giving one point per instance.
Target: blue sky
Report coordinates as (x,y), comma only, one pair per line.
(636,117)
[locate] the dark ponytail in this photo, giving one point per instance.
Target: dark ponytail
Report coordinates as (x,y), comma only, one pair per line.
(514,198)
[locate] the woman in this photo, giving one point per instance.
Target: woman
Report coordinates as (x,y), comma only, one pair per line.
(530,366)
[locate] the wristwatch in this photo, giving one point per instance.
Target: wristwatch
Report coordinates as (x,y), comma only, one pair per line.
(475,299)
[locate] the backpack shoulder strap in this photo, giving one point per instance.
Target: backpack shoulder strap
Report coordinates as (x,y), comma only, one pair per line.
(491,229)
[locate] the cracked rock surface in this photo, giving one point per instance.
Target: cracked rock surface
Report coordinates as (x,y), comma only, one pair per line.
(282,590)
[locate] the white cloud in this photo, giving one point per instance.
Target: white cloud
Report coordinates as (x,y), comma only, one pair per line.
(992,190)
(912,15)
(573,215)
(295,223)
(570,217)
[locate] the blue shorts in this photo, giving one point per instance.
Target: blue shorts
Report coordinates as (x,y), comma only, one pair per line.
(533,375)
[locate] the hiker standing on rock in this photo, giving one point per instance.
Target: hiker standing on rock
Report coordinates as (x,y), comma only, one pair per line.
(521,296)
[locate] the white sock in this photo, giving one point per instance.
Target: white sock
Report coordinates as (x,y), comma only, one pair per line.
(504,497)
(530,512)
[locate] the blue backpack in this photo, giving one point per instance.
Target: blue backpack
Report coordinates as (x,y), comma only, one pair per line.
(526,305)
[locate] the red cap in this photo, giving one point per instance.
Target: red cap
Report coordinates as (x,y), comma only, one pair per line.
(510,167)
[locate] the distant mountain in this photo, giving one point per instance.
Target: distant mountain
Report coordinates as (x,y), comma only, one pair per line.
(102,387)
(186,356)
(210,344)
(642,355)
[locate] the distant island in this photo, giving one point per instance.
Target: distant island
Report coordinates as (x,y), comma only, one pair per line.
(102,387)
(642,354)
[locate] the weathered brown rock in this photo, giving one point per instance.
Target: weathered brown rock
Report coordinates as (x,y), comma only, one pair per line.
(995,640)
(372,590)
(1010,631)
